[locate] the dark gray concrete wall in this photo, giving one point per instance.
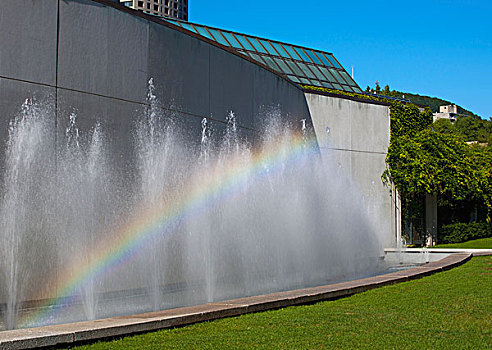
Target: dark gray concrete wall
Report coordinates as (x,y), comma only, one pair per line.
(88,50)
(27,57)
(28,40)
(95,60)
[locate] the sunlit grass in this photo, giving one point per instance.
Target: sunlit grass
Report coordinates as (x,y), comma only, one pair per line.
(449,310)
(484,243)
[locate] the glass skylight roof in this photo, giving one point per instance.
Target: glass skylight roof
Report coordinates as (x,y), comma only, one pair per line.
(301,65)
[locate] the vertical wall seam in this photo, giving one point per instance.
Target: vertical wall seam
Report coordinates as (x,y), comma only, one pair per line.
(56,73)
(149,54)
(56,92)
(253,102)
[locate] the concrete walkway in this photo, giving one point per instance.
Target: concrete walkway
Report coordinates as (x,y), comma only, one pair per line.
(475,252)
(70,334)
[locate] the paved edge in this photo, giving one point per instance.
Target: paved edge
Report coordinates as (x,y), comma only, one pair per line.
(70,334)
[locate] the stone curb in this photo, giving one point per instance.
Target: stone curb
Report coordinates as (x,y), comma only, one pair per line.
(70,334)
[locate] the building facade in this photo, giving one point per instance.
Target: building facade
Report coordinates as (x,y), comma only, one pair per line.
(447,112)
(195,77)
(166,8)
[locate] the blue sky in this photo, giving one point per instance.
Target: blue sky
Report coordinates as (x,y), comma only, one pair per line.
(436,48)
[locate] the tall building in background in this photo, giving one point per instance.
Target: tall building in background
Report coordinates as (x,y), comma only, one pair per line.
(166,8)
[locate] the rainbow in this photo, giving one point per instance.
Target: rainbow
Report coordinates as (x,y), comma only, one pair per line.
(136,234)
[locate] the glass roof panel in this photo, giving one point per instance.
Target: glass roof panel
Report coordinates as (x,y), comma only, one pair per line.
(187,26)
(232,40)
(327,74)
(313,57)
(316,82)
(218,37)
(244,42)
(317,72)
(294,68)
(294,78)
(348,78)
(280,49)
(338,76)
(301,53)
(256,57)
(269,47)
(327,84)
(271,63)
(243,52)
(257,45)
(306,70)
(348,88)
(333,61)
(291,52)
(305,81)
(202,31)
(324,59)
(283,66)
(300,65)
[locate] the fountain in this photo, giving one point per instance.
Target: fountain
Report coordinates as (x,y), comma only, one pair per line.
(198,221)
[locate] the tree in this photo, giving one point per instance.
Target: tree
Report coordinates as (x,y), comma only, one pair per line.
(407,119)
(431,162)
(426,158)
(444,126)
(472,128)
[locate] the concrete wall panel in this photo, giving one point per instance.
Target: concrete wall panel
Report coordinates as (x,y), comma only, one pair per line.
(231,86)
(352,125)
(102,50)
(13,93)
(278,95)
(366,170)
(179,65)
(332,123)
(117,119)
(28,40)
(369,123)
(356,144)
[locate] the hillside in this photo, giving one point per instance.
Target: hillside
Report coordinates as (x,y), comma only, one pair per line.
(433,102)
(469,129)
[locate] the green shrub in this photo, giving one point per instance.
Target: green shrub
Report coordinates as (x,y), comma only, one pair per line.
(457,233)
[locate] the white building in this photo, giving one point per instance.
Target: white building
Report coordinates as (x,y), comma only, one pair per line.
(447,112)
(167,8)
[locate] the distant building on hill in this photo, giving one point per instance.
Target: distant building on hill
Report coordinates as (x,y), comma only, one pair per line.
(449,112)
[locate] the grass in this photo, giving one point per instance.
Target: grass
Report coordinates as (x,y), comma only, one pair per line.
(449,310)
(484,243)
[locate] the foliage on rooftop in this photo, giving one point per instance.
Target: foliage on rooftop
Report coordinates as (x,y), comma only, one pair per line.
(345,93)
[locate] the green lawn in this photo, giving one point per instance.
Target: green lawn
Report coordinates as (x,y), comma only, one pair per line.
(484,243)
(449,310)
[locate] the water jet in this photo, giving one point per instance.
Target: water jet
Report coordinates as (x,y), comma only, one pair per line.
(215,179)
